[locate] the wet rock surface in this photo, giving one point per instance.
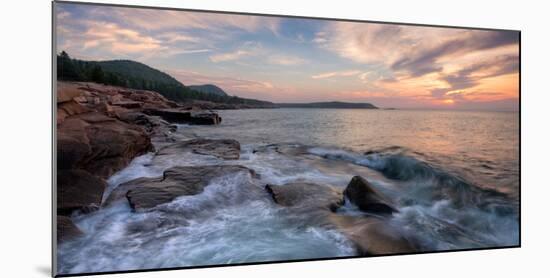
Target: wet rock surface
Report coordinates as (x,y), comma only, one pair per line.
(227,149)
(372,235)
(66,229)
(78,190)
(306,194)
(146,193)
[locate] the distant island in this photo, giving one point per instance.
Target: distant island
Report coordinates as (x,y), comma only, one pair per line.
(330,104)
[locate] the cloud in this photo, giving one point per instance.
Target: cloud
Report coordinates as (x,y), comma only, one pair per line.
(243,87)
(174,37)
(473,75)
(366,42)
(427,64)
(118,40)
(411,49)
(285,60)
(336,74)
(98,37)
(229,56)
(248,48)
(61,14)
(153,32)
(257,50)
(151,19)
(426,60)
(230,84)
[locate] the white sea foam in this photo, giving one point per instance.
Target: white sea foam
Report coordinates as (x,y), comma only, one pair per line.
(227,223)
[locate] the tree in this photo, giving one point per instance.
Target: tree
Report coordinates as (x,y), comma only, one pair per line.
(66,69)
(97,74)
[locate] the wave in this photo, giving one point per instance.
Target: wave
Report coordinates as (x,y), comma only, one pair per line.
(399,164)
(449,211)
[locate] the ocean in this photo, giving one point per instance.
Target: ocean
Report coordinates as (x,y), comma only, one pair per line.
(453,175)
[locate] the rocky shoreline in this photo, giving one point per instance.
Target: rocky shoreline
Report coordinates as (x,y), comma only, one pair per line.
(100,129)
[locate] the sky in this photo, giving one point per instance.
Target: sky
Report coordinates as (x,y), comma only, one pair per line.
(304,60)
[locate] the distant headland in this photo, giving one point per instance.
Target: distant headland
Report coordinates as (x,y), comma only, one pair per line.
(330,104)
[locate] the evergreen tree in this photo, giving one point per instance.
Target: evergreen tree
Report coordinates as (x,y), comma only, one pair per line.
(97,74)
(66,69)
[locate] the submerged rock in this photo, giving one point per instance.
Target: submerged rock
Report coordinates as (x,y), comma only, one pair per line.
(143,193)
(362,194)
(66,229)
(78,190)
(373,236)
(221,148)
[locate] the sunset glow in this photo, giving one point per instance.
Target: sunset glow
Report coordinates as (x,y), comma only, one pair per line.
(302,60)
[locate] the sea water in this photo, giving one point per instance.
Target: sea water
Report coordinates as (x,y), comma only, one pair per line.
(453,175)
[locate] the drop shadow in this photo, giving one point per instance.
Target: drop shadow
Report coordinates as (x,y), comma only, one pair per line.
(44,270)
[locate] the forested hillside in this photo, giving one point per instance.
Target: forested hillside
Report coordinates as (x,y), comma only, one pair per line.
(135,75)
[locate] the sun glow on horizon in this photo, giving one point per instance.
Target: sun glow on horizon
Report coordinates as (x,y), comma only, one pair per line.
(449,101)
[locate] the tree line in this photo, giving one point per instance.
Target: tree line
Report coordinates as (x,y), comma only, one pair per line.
(134,75)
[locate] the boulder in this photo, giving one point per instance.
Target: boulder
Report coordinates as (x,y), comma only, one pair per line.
(66,229)
(306,195)
(78,190)
(362,194)
(144,193)
(221,148)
